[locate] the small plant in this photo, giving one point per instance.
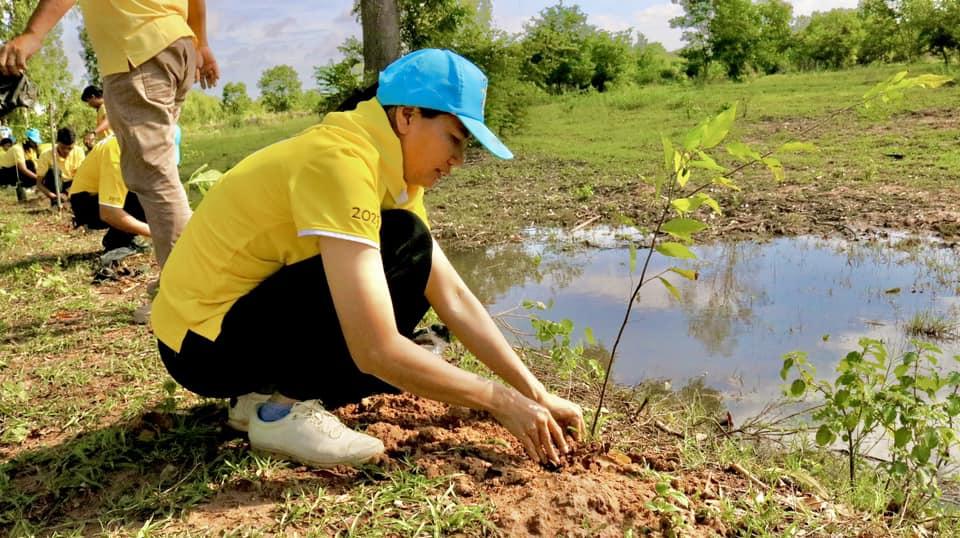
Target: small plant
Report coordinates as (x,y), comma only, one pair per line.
(670,504)
(583,193)
(565,355)
(904,401)
(200,182)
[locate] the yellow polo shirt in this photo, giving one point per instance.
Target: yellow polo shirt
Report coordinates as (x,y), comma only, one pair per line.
(332,180)
(100,174)
(102,115)
(127,33)
(68,166)
(13,156)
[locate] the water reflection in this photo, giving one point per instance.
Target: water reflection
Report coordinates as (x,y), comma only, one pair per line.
(754,302)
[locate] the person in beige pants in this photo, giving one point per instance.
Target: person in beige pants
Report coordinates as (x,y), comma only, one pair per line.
(150,53)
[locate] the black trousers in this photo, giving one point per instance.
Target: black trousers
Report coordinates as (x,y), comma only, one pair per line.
(86,212)
(50,183)
(284,335)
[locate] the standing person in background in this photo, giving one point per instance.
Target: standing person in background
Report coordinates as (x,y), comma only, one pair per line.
(93,96)
(69,156)
(150,53)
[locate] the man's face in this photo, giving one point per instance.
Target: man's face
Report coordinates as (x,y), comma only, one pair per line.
(432,147)
(95,102)
(64,149)
(88,140)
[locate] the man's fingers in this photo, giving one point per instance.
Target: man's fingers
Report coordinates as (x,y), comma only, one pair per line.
(547,443)
(529,446)
(557,433)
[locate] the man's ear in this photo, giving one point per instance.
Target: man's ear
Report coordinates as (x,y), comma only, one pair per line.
(404,117)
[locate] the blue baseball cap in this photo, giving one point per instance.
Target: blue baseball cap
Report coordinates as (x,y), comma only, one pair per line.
(445,81)
(33,134)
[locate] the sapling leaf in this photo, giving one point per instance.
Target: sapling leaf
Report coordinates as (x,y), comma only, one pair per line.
(798,387)
(683,228)
(633,258)
(775,166)
(718,128)
(742,152)
(683,175)
(670,287)
(725,182)
(901,437)
(588,334)
(675,250)
(668,152)
(825,435)
(706,162)
(686,273)
(694,137)
(798,147)
(921,453)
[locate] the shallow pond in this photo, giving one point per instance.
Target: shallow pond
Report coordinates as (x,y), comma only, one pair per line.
(753,302)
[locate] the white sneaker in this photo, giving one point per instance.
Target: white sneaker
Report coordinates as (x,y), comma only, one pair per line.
(242,408)
(313,436)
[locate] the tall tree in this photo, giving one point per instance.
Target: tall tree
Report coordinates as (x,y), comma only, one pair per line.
(381,36)
(89,58)
(733,35)
(695,26)
(279,88)
(775,36)
(235,100)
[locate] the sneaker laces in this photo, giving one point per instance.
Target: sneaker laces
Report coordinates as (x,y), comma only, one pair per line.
(313,411)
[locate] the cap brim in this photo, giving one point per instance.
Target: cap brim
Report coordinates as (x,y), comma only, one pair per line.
(486,137)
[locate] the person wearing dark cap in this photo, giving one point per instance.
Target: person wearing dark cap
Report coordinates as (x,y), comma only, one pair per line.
(300,279)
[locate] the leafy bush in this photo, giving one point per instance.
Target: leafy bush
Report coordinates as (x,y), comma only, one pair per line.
(905,401)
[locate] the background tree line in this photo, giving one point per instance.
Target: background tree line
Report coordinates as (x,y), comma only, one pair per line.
(557,51)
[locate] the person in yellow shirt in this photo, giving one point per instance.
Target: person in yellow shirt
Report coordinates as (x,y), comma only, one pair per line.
(150,52)
(69,156)
(100,198)
(93,96)
(305,270)
(15,170)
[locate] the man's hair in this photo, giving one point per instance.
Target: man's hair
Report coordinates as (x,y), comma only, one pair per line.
(65,136)
(90,92)
(29,144)
(5,141)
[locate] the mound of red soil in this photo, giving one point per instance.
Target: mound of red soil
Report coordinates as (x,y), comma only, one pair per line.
(597,492)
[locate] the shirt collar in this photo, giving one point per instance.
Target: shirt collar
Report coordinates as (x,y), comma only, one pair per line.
(372,120)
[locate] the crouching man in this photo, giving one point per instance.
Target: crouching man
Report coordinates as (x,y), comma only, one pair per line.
(100,198)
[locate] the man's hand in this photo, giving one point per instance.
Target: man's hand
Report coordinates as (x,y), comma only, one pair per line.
(208,72)
(532,424)
(566,413)
(16,52)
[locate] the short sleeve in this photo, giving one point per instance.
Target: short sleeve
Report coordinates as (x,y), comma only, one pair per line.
(334,193)
(113,191)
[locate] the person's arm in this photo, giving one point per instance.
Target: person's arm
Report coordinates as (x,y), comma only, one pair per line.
(362,300)
(16,52)
(102,126)
(208,72)
(117,218)
(466,317)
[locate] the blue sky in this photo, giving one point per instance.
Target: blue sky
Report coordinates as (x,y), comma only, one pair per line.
(250,36)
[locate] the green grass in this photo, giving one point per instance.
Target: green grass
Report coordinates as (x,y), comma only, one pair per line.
(929,325)
(223,146)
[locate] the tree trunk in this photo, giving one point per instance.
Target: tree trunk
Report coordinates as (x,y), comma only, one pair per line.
(381,36)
